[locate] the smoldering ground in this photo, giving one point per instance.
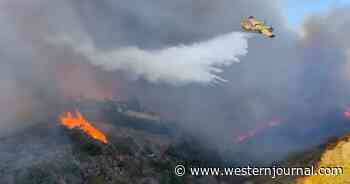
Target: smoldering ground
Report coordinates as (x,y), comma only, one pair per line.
(298,79)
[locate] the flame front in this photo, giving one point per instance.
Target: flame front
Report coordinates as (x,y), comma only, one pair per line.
(78,121)
(347,113)
(272,123)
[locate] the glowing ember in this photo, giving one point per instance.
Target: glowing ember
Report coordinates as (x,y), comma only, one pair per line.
(347,113)
(257,130)
(78,121)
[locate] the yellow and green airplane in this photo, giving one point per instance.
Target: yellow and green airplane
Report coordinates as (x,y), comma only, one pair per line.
(251,24)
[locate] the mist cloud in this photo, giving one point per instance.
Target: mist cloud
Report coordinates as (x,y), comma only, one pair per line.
(197,62)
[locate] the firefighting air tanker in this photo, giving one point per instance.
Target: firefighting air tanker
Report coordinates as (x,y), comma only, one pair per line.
(251,24)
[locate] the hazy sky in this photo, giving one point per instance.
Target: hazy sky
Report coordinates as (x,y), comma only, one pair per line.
(297,10)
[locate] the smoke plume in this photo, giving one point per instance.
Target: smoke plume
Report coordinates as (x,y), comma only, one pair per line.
(301,80)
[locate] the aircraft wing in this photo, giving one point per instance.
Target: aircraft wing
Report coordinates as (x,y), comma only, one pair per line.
(251,24)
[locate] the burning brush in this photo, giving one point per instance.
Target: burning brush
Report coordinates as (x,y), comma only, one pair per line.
(272,123)
(347,112)
(77,121)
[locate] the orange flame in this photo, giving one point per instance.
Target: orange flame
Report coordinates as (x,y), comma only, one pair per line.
(347,113)
(68,120)
(251,133)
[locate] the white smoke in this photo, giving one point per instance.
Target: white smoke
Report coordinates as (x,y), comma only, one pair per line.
(198,62)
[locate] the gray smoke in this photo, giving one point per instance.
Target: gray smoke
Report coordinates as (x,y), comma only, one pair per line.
(299,79)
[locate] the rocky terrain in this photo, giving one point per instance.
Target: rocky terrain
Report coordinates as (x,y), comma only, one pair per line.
(139,151)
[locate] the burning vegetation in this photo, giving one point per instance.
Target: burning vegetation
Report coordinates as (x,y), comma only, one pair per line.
(139,149)
(78,121)
(259,129)
(347,112)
